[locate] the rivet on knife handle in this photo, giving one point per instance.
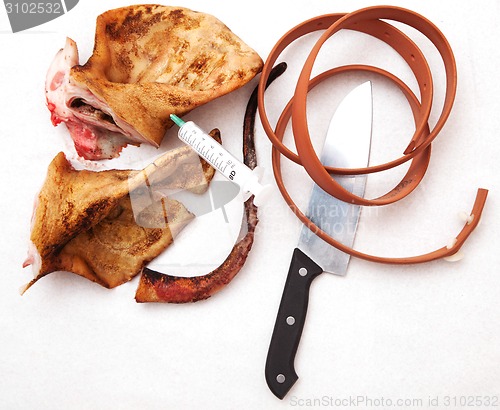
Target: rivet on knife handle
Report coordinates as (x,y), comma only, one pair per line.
(280,371)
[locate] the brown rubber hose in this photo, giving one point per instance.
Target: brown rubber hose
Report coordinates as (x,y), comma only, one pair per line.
(418,151)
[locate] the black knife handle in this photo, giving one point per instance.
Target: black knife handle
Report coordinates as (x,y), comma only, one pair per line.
(280,371)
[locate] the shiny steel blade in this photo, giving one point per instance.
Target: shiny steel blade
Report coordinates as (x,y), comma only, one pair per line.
(347,145)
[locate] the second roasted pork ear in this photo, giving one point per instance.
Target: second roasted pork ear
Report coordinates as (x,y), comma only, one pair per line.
(149,61)
(116,249)
(106,225)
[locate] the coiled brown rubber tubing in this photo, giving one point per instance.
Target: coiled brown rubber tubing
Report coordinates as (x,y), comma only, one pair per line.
(366,20)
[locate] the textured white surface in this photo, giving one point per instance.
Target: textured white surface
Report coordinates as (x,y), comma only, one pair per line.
(412,332)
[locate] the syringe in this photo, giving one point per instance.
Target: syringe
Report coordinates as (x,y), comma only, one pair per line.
(222,160)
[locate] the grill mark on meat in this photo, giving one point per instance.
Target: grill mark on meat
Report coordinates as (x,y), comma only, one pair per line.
(135,24)
(179,18)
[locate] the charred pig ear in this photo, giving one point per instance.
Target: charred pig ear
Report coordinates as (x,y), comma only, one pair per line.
(148,62)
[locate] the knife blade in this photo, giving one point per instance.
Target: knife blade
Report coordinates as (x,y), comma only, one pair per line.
(347,145)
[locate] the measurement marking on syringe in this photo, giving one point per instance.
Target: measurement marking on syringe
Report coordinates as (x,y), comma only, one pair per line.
(220,159)
(218,166)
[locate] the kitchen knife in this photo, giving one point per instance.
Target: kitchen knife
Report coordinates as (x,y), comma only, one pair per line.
(347,145)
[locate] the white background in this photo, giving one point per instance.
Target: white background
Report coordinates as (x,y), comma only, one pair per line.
(426,331)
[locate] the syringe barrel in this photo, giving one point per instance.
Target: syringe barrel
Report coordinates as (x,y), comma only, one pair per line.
(215,154)
(222,160)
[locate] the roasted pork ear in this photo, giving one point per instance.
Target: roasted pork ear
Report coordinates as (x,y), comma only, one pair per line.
(106,225)
(149,61)
(116,249)
(72,201)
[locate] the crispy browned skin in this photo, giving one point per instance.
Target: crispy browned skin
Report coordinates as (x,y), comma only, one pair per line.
(117,248)
(158,287)
(84,222)
(70,202)
(150,61)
